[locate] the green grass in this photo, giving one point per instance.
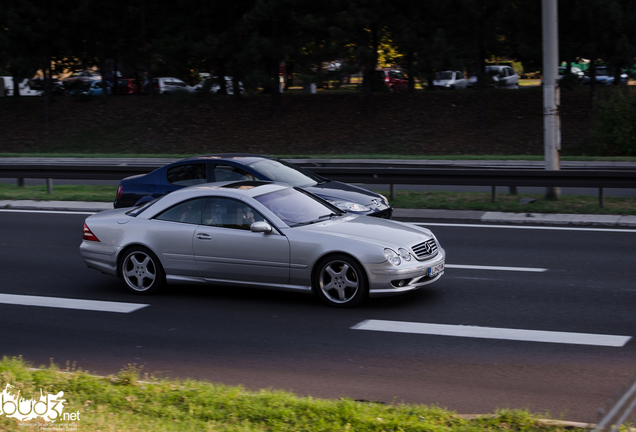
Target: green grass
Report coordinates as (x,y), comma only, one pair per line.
(577,204)
(60,193)
(581,204)
(124,403)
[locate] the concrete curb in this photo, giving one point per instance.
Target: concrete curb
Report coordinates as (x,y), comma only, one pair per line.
(405,215)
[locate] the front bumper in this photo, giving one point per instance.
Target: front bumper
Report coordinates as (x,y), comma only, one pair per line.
(387,280)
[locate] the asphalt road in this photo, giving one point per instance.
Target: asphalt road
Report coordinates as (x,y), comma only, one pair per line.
(530,278)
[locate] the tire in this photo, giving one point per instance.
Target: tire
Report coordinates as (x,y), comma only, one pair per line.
(141,271)
(340,281)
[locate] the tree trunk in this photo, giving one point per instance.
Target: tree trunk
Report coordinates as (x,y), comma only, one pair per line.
(481,70)
(593,80)
(368,81)
(151,87)
(16,86)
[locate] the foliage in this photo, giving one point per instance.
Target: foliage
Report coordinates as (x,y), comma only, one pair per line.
(153,404)
(613,130)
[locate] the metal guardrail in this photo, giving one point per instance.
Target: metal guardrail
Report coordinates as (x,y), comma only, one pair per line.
(619,413)
(390,175)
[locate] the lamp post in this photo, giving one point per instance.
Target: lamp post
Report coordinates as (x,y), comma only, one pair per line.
(551,97)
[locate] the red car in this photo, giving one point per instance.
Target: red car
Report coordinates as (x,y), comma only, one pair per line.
(393,79)
(127,86)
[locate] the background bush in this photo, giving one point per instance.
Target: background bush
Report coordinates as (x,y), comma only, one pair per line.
(613,129)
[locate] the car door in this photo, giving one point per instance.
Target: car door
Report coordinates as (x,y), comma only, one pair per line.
(460,82)
(226,249)
(170,234)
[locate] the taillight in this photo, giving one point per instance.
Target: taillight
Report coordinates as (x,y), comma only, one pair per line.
(120,192)
(88,234)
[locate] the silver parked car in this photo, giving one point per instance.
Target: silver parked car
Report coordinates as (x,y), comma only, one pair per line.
(450,80)
(498,76)
(260,234)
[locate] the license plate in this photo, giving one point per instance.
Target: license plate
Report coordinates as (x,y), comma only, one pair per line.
(435,270)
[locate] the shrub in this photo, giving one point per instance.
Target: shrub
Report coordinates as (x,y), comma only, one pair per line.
(613,129)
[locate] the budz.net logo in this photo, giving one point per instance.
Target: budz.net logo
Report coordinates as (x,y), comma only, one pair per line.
(49,407)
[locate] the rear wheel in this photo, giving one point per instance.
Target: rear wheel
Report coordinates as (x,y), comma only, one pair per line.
(340,281)
(141,271)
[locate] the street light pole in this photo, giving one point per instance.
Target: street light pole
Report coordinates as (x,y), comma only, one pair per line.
(551,97)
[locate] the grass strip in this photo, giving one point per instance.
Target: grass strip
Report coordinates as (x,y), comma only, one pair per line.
(89,193)
(519,203)
(534,203)
(124,403)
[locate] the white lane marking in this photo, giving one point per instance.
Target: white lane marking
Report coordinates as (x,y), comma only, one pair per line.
(476,267)
(425,225)
(68,303)
(493,333)
(46,211)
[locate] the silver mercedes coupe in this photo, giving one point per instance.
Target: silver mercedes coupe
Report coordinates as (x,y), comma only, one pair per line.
(260,234)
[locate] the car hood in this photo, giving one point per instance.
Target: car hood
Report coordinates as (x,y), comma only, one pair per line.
(334,190)
(380,232)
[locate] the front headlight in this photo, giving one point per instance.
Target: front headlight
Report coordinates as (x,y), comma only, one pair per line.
(350,206)
(404,254)
(392,257)
(386,201)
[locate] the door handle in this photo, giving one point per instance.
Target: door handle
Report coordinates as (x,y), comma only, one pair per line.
(204,236)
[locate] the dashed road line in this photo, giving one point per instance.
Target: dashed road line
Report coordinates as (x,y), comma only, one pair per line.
(69,303)
(493,333)
(477,267)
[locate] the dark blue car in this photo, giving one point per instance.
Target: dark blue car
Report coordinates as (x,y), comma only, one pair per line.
(236,167)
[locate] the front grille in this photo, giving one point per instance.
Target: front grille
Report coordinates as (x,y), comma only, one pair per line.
(384,214)
(426,249)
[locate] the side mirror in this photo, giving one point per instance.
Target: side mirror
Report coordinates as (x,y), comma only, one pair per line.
(260,227)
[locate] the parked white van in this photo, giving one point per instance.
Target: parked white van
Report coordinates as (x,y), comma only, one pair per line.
(24,86)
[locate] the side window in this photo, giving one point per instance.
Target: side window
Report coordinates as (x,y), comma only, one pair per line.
(186,212)
(460,75)
(229,213)
(230,173)
(187,175)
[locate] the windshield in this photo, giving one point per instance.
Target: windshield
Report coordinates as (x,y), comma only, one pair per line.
(297,207)
(443,75)
(282,172)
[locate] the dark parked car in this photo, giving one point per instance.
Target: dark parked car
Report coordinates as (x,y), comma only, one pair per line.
(604,76)
(394,80)
(127,86)
(238,167)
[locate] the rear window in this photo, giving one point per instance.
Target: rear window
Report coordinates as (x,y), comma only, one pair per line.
(141,208)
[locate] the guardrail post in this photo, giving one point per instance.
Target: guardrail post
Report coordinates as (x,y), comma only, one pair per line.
(494,194)
(49,186)
(601,197)
(512,190)
(392,191)
(20,182)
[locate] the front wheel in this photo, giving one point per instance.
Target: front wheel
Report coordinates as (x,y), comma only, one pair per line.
(141,271)
(340,281)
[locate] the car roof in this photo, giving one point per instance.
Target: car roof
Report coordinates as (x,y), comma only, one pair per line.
(242,157)
(230,189)
(234,188)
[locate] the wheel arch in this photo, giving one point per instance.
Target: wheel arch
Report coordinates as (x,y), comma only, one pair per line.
(330,254)
(125,250)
